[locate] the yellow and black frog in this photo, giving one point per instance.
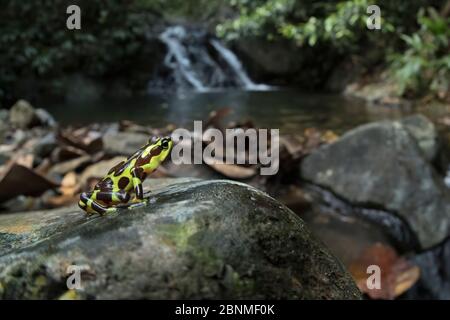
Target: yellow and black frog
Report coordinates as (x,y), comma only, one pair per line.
(125,178)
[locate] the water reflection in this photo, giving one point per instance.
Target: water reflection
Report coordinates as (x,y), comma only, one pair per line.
(288,110)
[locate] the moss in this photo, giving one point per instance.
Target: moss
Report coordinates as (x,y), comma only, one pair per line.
(69,295)
(178,234)
(203,259)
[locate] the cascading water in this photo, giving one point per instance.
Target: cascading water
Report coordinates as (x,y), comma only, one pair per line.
(447,178)
(203,64)
(234,63)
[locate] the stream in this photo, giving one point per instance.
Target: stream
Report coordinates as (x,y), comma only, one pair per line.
(286,109)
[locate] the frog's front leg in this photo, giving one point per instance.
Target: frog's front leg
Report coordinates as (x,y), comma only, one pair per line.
(138,177)
(89,201)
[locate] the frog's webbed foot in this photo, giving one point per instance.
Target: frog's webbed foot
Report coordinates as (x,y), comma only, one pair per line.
(137,203)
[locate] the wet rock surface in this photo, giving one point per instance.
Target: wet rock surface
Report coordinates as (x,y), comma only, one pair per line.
(384,165)
(195,239)
(425,134)
(434,282)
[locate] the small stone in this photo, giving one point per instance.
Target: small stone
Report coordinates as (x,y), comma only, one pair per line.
(45,118)
(22,115)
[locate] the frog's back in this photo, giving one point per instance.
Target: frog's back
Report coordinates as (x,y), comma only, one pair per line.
(119,177)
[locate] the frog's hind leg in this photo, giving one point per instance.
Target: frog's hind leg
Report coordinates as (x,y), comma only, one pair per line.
(88,204)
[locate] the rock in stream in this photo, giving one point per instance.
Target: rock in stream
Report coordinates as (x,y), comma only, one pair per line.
(387,165)
(195,239)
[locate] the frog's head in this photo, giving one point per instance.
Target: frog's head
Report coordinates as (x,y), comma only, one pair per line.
(154,153)
(166,145)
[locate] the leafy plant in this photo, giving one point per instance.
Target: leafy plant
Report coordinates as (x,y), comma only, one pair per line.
(341,24)
(37,45)
(425,64)
(327,31)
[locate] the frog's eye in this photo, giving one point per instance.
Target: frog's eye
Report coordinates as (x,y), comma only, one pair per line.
(165,143)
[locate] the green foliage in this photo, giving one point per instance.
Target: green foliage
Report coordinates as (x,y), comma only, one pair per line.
(194,10)
(338,28)
(36,43)
(341,24)
(343,27)
(256,18)
(425,64)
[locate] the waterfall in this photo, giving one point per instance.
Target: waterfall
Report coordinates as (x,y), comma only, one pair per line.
(177,58)
(202,64)
(234,63)
(447,178)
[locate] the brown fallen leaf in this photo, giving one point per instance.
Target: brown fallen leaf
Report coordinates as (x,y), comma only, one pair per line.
(83,138)
(293,144)
(69,190)
(312,139)
(232,171)
(65,153)
(61,200)
(19,180)
(44,167)
(70,165)
(329,137)
(25,160)
(70,180)
(397,274)
(70,184)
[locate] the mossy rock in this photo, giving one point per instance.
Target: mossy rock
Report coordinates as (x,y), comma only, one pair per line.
(194,240)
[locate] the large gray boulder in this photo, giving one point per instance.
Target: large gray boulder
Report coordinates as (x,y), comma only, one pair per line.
(195,239)
(384,164)
(425,134)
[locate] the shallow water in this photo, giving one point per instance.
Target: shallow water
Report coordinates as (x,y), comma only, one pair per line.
(287,110)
